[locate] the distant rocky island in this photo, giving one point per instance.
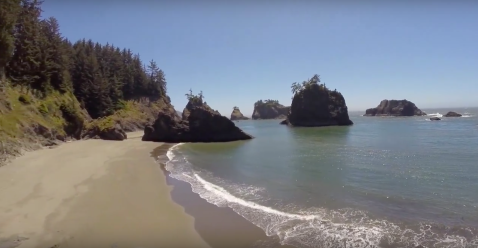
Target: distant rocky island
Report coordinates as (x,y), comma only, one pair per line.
(269,109)
(199,123)
(314,105)
(395,108)
(237,115)
(452,114)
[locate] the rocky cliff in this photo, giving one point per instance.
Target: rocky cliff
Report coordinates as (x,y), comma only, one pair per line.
(200,123)
(269,109)
(237,115)
(314,105)
(395,108)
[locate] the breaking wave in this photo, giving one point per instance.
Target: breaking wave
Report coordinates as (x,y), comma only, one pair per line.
(435,115)
(312,227)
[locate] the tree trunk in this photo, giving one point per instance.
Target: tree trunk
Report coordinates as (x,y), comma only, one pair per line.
(3,80)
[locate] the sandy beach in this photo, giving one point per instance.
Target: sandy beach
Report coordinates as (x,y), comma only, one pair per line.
(91,193)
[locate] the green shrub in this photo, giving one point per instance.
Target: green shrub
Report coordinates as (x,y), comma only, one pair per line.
(25,99)
(43,109)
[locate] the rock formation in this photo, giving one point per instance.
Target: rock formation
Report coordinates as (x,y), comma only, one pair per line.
(435,119)
(284,122)
(452,114)
(237,115)
(200,123)
(269,109)
(314,105)
(114,132)
(395,108)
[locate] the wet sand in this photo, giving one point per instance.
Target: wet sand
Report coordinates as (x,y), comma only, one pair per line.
(91,193)
(218,226)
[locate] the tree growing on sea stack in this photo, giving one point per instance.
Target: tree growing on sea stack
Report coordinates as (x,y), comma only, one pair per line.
(199,123)
(314,105)
(237,115)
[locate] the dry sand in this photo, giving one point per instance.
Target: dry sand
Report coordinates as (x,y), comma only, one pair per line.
(91,193)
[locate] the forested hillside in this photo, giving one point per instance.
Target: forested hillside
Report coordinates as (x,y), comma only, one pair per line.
(59,87)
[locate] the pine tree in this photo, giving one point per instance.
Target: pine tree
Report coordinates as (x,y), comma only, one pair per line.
(24,67)
(8,17)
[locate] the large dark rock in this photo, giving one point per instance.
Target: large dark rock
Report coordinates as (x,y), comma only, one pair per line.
(395,108)
(237,115)
(200,123)
(115,132)
(452,114)
(269,110)
(315,106)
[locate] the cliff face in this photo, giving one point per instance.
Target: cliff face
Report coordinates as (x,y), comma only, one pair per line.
(395,108)
(269,110)
(237,115)
(315,106)
(200,123)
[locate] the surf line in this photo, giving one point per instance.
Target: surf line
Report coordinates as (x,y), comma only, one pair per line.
(230,198)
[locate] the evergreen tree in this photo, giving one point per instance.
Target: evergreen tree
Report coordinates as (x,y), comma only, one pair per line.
(34,55)
(8,18)
(24,68)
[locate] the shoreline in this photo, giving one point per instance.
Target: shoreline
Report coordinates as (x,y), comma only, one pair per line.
(91,193)
(218,226)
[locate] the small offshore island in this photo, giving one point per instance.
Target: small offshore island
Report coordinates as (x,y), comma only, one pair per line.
(269,109)
(395,108)
(237,115)
(314,105)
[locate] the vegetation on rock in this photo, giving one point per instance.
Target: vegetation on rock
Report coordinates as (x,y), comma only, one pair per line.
(237,115)
(199,123)
(314,104)
(269,109)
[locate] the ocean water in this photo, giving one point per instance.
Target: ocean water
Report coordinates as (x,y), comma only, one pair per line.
(383,182)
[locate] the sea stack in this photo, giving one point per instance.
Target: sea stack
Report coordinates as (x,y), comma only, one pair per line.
(452,114)
(199,123)
(314,105)
(237,115)
(269,109)
(395,108)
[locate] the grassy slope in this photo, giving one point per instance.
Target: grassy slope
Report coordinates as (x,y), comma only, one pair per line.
(21,113)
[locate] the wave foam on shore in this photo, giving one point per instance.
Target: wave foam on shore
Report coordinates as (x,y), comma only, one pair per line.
(317,227)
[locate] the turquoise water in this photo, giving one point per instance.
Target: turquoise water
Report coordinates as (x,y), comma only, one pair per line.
(383,182)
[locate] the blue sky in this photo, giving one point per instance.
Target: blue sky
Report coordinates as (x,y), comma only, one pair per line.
(238,52)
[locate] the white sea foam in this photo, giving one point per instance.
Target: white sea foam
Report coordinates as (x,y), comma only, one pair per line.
(435,115)
(316,227)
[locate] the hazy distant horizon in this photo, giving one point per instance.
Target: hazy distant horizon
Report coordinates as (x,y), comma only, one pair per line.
(455,109)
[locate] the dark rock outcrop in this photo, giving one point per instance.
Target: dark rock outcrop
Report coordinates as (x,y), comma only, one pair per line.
(314,105)
(269,110)
(237,115)
(284,122)
(200,123)
(452,114)
(115,132)
(435,119)
(395,108)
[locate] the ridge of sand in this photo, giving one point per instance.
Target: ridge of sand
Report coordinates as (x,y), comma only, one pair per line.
(91,193)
